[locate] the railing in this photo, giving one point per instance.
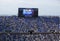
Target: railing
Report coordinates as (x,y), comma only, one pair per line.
(27,33)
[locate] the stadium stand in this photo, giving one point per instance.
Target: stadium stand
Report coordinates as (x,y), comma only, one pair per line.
(40,24)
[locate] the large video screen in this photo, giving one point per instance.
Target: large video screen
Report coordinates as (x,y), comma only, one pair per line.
(28,12)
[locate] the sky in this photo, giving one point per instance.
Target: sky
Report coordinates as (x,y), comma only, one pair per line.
(46,7)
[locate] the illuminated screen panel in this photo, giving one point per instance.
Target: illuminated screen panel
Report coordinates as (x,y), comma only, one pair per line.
(28,12)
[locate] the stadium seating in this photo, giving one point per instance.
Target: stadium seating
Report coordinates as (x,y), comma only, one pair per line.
(39,24)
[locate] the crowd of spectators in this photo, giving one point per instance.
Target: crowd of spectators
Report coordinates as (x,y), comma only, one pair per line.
(39,24)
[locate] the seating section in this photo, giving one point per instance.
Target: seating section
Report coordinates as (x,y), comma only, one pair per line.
(40,24)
